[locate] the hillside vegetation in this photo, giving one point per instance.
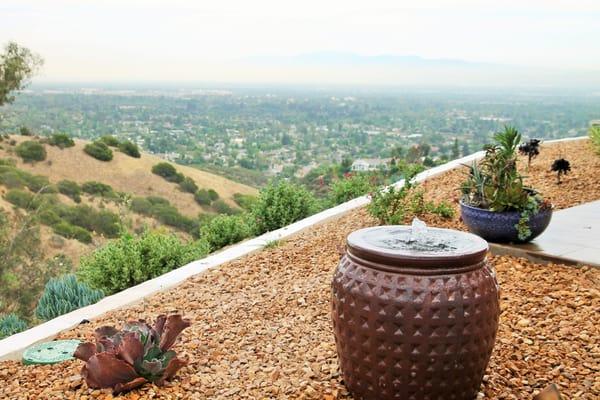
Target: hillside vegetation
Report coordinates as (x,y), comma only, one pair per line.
(59,203)
(125,174)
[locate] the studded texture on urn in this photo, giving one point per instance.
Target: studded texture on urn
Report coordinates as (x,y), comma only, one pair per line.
(402,335)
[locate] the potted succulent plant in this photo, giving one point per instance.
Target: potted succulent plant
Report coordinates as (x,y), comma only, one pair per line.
(496,204)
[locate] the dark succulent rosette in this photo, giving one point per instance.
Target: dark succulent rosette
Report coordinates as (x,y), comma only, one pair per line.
(139,353)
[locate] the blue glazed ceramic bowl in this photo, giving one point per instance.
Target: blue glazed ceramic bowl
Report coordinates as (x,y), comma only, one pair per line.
(500,226)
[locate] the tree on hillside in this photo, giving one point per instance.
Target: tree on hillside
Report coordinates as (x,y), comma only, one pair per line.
(17,66)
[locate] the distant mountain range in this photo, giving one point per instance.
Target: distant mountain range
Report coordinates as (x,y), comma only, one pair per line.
(332,58)
(338,67)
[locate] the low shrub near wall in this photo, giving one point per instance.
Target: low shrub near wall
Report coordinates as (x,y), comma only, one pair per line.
(224,230)
(282,203)
(11,324)
(65,294)
(131,260)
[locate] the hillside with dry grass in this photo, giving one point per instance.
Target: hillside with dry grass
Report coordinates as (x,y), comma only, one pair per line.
(47,226)
(125,174)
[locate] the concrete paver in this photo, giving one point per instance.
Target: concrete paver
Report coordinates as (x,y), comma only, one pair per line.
(573,237)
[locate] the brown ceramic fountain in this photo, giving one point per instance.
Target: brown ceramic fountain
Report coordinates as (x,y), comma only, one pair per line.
(415,313)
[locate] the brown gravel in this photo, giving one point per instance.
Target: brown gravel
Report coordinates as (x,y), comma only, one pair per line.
(261,328)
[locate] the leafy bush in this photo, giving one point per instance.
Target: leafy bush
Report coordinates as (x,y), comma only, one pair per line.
(169,215)
(168,172)
(130,149)
(223,208)
(188,185)
(224,230)
(61,140)
(98,188)
(19,198)
(11,324)
(109,140)
(70,189)
(595,137)
(31,151)
(280,204)
(99,150)
(245,201)
(141,205)
(160,209)
(25,131)
(63,295)
(202,197)
(130,260)
(154,200)
(49,217)
(70,231)
(13,177)
(350,188)
(103,222)
(393,205)
(213,194)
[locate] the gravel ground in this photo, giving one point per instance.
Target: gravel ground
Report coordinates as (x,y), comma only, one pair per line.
(261,326)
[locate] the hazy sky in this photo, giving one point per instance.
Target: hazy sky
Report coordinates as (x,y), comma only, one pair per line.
(204,40)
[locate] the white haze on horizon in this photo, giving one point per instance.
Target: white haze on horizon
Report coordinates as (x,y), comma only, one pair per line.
(548,41)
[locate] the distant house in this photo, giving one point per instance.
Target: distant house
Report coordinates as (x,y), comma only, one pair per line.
(370,164)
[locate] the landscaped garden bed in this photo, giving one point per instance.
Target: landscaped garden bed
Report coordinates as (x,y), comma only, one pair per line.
(261,325)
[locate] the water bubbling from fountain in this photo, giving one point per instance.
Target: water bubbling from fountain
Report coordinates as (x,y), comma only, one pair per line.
(418,230)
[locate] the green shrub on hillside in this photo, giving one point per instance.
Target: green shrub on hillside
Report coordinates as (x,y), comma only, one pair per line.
(154,200)
(169,215)
(13,177)
(102,222)
(168,172)
(70,231)
(224,230)
(188,185)
(31,151)
(280,204)
(350,188)
(7,162)
(223,208)
(70,189)
(98,188)
(202,197)
(64,294)
(49,217)
(25,131)
(245,201)
(130,260)
(129,148)
(141,205)
(160,209)
(213,194)
(11,324)
(20,198)
(61,140)
(99,151)
(109,140)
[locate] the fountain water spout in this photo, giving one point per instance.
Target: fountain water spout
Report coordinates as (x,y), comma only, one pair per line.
(418,229)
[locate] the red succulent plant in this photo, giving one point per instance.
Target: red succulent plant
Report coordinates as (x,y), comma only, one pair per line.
(139,353)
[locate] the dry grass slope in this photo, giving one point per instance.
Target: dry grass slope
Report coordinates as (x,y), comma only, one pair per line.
(127,174)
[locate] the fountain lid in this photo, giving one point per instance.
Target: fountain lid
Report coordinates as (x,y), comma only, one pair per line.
(396,245)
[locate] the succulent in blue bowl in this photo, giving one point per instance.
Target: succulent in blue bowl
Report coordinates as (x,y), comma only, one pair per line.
(496,204)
